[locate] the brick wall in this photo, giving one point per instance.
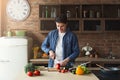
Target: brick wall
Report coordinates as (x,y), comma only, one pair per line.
(99,41)
(102,42)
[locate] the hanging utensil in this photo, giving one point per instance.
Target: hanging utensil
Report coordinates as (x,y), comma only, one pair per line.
(102,67)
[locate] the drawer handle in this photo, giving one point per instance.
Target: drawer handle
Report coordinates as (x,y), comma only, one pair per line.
(4,61)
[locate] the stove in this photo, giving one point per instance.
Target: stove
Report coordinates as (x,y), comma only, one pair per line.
(102,76)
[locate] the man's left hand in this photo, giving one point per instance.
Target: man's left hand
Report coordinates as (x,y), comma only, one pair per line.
(64,62)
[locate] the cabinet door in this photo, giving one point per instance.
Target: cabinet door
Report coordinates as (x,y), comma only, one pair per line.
(112,25)
(74,25)
(49,1)
(110,1)
(92,25)
(47,25)
(90,1)
(69,1)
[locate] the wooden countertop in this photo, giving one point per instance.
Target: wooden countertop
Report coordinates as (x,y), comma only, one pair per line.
(104,60)
(45,75)
(82,59)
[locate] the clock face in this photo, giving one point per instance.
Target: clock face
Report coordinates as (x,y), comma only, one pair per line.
(18,9)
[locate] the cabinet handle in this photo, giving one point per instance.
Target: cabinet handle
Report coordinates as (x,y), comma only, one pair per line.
(4,61)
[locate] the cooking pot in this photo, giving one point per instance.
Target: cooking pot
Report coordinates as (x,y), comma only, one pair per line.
(110,71)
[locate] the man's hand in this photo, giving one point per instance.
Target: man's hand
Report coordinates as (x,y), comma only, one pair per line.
(51,54)
(64,62)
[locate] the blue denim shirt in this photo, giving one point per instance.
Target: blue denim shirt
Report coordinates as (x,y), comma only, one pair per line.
(70,46)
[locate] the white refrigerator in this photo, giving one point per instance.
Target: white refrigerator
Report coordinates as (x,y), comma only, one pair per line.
(13,57)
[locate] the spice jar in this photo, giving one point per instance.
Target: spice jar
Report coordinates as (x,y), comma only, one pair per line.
(98,14)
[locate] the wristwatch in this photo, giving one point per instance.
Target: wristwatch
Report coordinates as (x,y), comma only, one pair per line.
(18,10)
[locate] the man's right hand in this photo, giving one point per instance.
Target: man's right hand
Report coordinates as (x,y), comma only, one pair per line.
(51,54)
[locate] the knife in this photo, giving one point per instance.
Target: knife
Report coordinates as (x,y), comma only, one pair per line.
(84,64)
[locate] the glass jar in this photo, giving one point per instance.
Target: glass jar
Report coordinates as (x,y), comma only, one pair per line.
(68,14)
(9,34)
(98,14)
(91,14)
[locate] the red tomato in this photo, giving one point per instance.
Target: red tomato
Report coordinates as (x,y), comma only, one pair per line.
(36,72)
(57,66)
(63,71)
(66,70)
(59,70)
(29,73)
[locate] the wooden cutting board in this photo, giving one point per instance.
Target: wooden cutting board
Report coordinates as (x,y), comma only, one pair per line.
(52,70)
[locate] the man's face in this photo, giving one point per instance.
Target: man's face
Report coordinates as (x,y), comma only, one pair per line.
(61,27)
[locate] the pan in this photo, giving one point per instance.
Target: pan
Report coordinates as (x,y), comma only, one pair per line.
(109,70)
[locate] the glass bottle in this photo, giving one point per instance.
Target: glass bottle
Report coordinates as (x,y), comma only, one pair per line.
(91,14)
(54,12)
(98,14)
(76,14)
(84,14)
(46,12)
(43,12)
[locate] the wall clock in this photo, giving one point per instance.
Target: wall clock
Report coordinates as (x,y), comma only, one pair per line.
(18,10)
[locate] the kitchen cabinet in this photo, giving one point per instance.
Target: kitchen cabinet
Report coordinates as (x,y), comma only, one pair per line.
(111,17)
(81,17)
(49,12)
(92,17)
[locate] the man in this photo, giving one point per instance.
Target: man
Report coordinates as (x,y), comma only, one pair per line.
(61,44)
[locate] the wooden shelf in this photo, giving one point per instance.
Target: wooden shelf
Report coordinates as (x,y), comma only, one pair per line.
(88,24)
